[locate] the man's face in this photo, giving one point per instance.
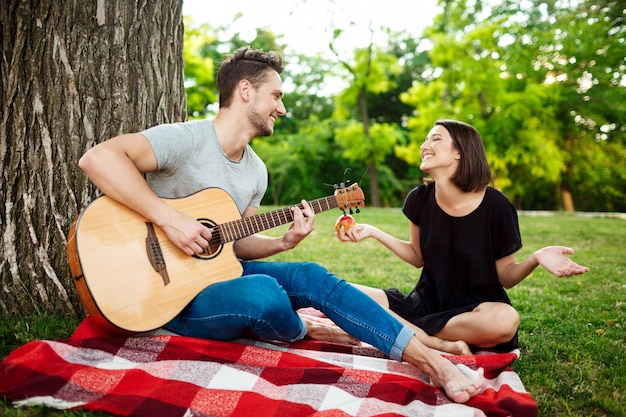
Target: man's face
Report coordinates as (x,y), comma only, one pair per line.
(266,105)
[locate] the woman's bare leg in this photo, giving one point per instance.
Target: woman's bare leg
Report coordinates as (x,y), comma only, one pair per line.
(486,326)
(454,346)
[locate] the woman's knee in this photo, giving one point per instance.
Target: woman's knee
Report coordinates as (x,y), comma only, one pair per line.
(504,322)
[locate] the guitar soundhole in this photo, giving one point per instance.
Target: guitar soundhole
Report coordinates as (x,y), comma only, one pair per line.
(215,245)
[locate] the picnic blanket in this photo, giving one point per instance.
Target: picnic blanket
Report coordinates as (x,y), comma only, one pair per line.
(168,375)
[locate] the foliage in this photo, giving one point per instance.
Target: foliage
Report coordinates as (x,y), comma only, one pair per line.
(306,99)
(544,83)
(381,141)
(578,50)
(200,84)
(371,71)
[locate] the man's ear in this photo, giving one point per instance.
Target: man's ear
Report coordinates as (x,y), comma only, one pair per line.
(244,89)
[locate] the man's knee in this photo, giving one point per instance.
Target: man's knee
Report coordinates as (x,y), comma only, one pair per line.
(312,269)
(262,293)
(314,275)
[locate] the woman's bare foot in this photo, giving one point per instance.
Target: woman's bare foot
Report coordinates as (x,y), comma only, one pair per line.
(456,348)
(443,374)
(323,332)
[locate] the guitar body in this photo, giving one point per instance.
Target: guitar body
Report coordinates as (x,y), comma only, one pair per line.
(113,271)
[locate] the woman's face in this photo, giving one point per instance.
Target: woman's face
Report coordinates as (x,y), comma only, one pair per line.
(438,152)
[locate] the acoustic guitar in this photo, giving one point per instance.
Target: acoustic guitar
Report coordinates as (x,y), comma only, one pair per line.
(127,271)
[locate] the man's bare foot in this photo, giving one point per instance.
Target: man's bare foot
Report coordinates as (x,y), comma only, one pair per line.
(457,389)
(323,332)
(443,374)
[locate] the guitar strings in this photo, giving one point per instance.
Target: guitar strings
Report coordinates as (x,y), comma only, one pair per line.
(246,226)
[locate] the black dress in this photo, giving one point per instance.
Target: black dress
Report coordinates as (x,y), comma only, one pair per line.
(460,256)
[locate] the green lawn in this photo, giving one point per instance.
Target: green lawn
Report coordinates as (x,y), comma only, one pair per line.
(573,330)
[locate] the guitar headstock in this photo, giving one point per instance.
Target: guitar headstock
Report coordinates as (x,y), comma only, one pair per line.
(350,197)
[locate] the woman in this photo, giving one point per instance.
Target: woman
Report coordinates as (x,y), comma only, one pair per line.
(464,235)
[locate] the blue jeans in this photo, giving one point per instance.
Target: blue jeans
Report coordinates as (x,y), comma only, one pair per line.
(264,300)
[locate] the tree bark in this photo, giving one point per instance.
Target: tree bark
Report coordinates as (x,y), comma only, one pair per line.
(72,74)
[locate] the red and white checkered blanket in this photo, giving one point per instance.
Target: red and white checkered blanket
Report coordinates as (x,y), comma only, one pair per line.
(182,376)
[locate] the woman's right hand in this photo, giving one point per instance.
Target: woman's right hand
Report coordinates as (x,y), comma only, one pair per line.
(356,233)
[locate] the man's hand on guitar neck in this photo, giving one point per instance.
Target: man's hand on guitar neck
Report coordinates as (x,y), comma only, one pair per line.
(303,224)
(191,236)
(258,246)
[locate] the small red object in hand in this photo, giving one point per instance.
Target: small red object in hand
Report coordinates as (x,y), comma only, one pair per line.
(346,221)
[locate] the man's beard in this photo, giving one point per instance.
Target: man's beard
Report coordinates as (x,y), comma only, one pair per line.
(259,123)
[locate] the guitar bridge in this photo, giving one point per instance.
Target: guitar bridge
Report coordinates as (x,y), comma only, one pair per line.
(155,254)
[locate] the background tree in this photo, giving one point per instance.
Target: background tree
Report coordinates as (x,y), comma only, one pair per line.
(72,74)
(593,105)
(533,80)
(397,176)
(200,67)
(365,140)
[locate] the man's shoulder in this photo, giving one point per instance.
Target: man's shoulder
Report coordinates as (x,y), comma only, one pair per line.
(202,125)
(190,129)
(187,124)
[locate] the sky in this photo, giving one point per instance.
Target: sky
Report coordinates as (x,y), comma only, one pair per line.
(305,23)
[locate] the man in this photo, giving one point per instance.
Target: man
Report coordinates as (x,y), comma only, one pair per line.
(183,158)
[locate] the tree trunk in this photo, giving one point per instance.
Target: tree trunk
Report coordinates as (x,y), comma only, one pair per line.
(568,200)
(374,197)
(566,192)
(73,74)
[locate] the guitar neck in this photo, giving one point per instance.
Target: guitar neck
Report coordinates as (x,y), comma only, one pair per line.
(247,226)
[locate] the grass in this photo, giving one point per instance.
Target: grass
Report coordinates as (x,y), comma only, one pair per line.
(573,330)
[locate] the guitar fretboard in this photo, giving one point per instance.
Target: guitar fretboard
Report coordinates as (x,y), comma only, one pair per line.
(247,226)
